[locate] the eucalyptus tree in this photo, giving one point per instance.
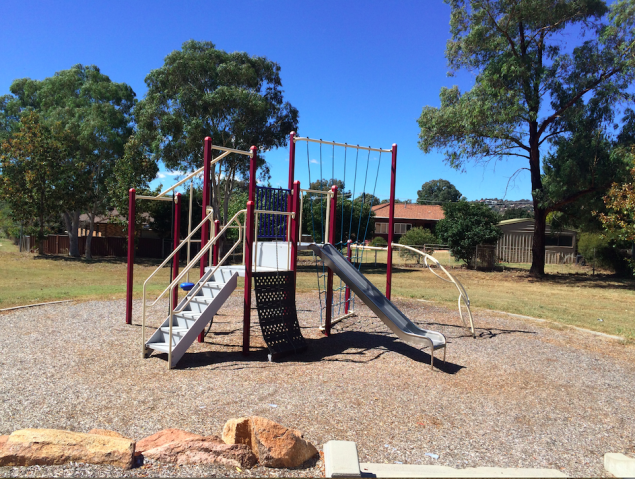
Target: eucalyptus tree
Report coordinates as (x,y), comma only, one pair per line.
(527,81)
(96,112)
(234,98)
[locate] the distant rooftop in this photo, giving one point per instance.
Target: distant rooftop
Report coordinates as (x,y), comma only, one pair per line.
(410,211)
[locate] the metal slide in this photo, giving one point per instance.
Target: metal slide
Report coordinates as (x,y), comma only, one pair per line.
(385,310)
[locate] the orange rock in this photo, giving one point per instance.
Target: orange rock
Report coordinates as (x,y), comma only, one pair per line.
(237,431)
(29,447)
(207,450)
(164,437)
(106,432)
(3,440)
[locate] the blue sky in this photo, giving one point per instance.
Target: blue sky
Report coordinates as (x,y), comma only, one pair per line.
(358,72)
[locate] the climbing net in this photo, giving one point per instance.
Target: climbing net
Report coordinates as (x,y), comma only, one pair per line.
(354,209)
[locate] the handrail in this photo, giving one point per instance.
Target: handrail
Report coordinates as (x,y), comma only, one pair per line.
(176,280)
(462,293)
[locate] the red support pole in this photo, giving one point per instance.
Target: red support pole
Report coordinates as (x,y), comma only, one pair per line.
(249,240)
(132,207)
(347,295)
(215,247)
(207,159)
(177,241)
(391,219)
(291,171)
(295,228)
(329,273)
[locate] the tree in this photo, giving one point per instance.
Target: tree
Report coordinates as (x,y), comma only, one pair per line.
(368,199)
(234,98)
(438,192)
(526,84)
(353,220)
(96,113)
(619,220)
(513,213)
(417,237)
(34,163)
(466,226)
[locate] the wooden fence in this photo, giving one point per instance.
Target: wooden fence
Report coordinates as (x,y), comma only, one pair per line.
(105,246)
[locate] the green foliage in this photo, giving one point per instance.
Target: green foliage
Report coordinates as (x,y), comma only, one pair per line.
(467,225)
(417,237)
(528,88)
(356,226)
(234,98)
(513,213)
(379,242)
(438,192)
(604,253)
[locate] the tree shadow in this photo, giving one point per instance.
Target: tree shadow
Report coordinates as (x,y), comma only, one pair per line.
(481,333)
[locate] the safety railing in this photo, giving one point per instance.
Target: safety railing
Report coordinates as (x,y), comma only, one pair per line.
(450,279)
(204,250)
(329,196)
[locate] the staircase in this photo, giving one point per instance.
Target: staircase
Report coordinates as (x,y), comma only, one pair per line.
(189,323)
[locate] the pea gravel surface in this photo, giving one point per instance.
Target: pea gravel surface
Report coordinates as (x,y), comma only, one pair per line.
(522,394)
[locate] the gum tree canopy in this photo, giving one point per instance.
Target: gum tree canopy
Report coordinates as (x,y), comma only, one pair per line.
(234,98)
(527,81)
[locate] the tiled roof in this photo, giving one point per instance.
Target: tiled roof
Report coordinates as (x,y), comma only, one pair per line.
(410,211)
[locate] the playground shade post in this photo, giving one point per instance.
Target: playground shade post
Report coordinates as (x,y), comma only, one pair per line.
(329,273)
(207,158)
(391,219)
(177,241)
(131,223)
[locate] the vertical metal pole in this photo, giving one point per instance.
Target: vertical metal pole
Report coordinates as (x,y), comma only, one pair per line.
(291,199)
(207,158)
(177,240)
(391,220)
(295,229)
(131,223)
(329,273)
(215,247)
(249,234)
(249,238)
(347,295)
(189,228)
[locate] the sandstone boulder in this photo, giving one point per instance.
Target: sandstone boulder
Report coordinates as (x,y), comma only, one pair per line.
(164,437)
(273,444)
(207,450)
(237,431)
(3,440)
(106,432)
(29,447)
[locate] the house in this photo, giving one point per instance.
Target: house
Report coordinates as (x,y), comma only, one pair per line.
(517,240)
(407,216)
(112,224)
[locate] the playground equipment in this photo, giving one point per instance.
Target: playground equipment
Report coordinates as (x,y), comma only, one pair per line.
(275,216)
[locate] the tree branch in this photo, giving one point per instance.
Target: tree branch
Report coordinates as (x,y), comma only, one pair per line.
(504,32)
(549,135)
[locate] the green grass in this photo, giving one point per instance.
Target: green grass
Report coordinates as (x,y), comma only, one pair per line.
(568,295)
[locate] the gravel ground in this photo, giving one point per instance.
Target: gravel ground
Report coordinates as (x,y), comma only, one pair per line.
(522,394)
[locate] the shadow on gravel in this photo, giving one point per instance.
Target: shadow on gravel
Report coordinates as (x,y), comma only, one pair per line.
(346,346)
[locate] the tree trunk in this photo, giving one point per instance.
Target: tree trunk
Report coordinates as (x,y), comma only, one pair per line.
(89,238)
(540,214)
(71,219)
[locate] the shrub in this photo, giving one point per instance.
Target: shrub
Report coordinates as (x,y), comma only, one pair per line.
(467,225)
(417,237)
(603,253)
(379,242)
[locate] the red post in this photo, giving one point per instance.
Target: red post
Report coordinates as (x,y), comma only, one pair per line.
(347,294)
(177,241)
(207,159)
(249,240)
(291,172)
(295,227)
(391,219)
(329,273)
(215,247)
(132,208)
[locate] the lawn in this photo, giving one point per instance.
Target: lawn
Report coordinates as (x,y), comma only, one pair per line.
(569,295)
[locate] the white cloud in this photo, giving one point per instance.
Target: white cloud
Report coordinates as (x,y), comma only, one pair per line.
(161,175)
(314,161)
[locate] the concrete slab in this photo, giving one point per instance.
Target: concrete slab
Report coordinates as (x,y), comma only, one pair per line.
(619,465)
(340,459)
(412,470)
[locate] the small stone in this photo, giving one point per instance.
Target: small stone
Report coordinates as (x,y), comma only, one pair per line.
(278,446)
(207,450)
(106,432)
(48,447)
(165,436)
(237,431)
